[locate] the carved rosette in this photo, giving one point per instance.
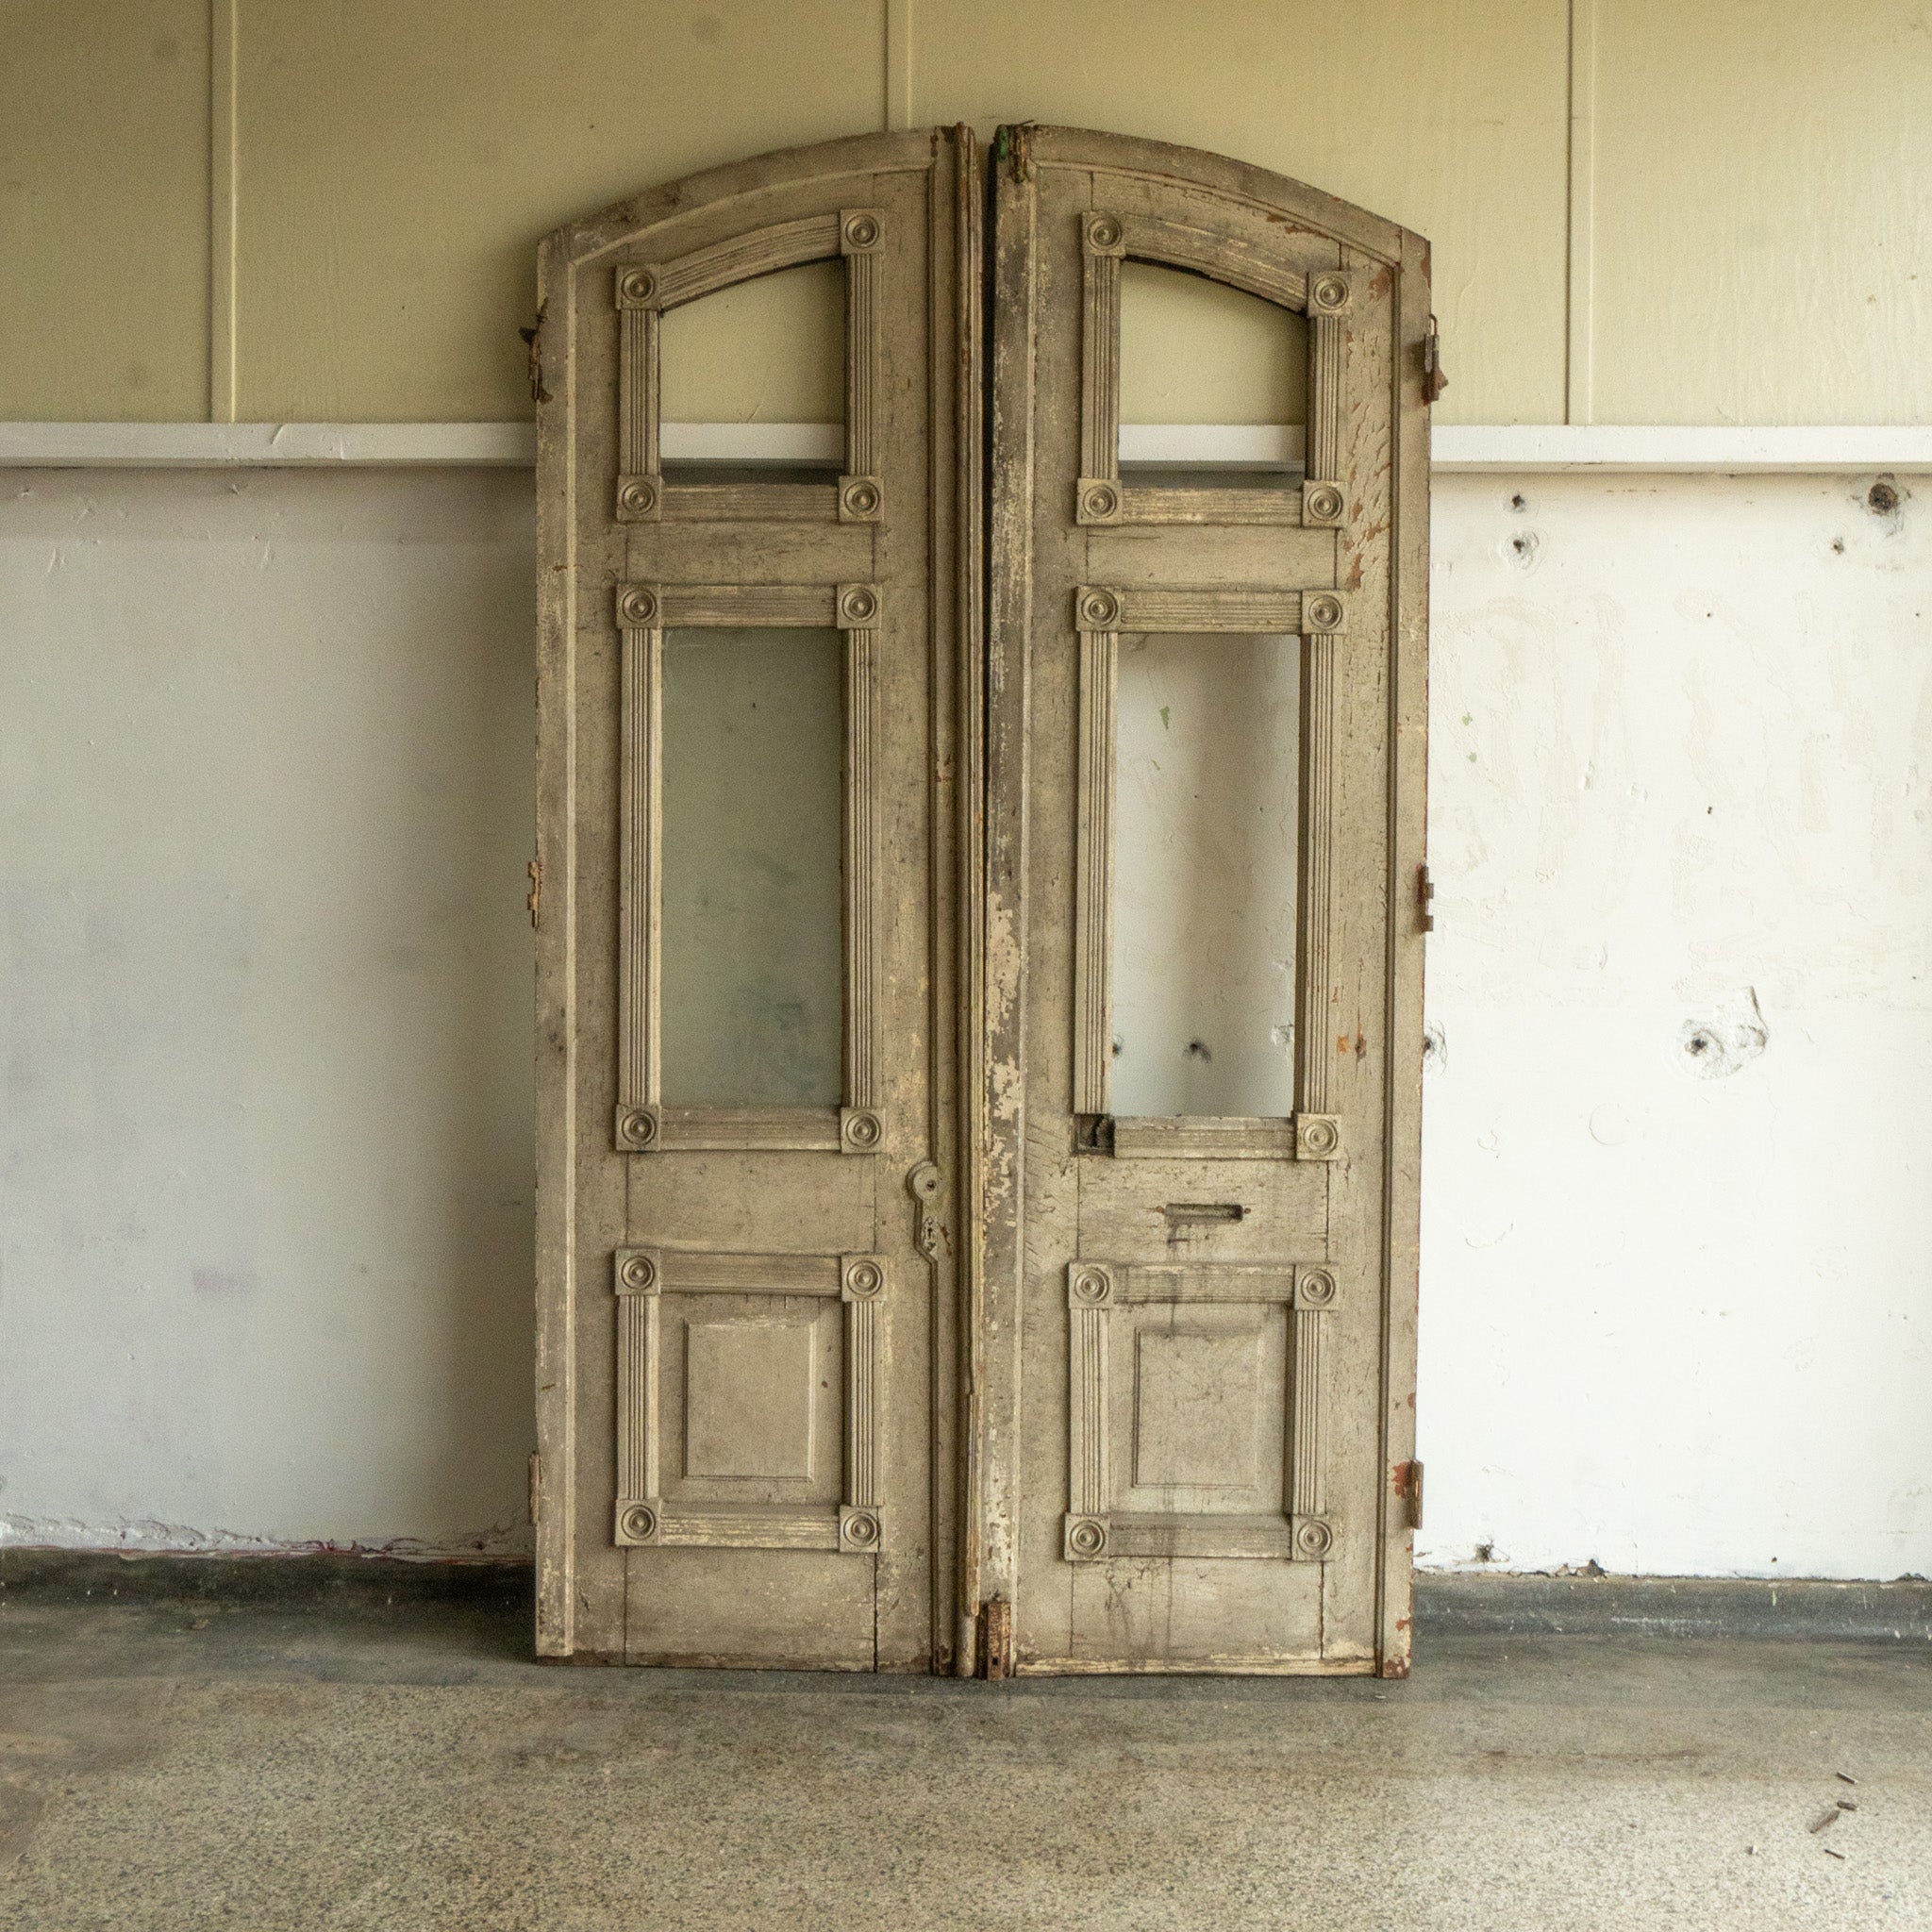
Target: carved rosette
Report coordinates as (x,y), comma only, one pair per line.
(639,499)
(1321,506)
(638,1522)
(1104,234)
(860,1130)
(1097,500)
(1314,1287)
(861,1278)
(861,500)
(1330,290)
(861,231)
(1317,1136)
(1314,1538)
(858,606)
(1088,1285)
(860,1531)
(637,1272)
(637,607)
(1322,611)
(637,287)
(1083,1538)
(1095,608)
(638,1127)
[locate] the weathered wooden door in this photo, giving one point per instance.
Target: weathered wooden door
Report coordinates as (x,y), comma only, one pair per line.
(748,1040)
(977,1150)
(1206,772)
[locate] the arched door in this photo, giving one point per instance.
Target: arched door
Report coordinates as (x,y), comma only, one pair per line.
(978,1138)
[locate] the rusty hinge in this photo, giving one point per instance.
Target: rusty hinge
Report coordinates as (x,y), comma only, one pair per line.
(536,1487)
(1408,1490)
(534,337)
(995,1640)
(1434,381)
(535,901)
(1426,898)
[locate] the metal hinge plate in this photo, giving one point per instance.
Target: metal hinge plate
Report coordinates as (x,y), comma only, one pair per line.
(1425,898)
(1409,1492)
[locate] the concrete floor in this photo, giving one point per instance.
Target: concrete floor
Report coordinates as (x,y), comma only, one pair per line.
(181,1760)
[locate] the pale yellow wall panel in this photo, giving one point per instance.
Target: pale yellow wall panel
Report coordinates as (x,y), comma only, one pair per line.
(400,163)
(1449,117)
(1764,212)
(103,210)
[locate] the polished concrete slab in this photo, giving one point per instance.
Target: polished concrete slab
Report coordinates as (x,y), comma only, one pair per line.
(185,1752)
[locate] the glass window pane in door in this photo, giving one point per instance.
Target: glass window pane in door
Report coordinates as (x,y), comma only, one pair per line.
(752,1011)
(1205,862)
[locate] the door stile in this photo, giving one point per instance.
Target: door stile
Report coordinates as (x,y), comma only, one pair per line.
(1400,1504)
(554,915)
(1009,627)
(951,1227)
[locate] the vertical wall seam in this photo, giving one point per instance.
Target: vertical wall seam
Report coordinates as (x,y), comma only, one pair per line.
(1579,293)
(223,28)
(898,66)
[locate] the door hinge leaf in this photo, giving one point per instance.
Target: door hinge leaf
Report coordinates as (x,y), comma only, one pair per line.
(1409,1491)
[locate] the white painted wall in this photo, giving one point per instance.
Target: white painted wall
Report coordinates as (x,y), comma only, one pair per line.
(264,1163)
(1676,1310)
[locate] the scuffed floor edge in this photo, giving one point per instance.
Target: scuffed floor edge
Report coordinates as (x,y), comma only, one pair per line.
(1690,1606)
(151,1537)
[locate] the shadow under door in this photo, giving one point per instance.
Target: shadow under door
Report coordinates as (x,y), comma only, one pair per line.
(979,919)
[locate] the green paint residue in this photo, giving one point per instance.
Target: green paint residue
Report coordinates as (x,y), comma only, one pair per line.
(1166,724)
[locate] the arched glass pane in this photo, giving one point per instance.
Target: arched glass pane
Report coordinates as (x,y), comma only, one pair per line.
(1197,351)
(772,350)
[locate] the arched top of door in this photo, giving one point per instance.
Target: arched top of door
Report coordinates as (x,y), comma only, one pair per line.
(1180,207)
(772,205)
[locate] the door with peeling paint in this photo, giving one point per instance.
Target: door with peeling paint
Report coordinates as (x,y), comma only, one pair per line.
(978,1054)
(747,1042)
(1204,751)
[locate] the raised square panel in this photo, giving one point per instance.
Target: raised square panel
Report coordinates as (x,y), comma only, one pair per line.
(1198,1410)
(750,1407)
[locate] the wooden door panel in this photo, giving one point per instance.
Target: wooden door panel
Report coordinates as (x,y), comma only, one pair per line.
(1201,1372)
(748,1139)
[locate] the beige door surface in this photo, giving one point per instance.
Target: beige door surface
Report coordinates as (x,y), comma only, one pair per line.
(976,1139)
(1205,779)
(746,1048)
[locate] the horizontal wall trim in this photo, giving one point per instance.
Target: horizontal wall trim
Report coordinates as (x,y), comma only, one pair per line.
(1673,446)
(1511,448)
(265,446)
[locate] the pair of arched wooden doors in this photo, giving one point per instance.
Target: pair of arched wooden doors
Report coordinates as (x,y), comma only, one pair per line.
(979,956)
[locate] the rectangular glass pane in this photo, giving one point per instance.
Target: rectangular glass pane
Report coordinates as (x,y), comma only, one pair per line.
(1205,858)
(754,743)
